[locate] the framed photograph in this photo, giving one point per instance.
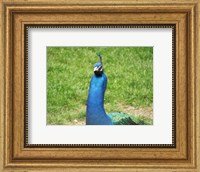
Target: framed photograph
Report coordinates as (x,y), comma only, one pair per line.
(90,80)
(94,85)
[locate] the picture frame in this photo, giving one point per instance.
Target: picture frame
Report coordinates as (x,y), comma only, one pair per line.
(16,155)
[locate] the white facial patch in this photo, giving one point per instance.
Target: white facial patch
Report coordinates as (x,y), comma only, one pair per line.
(96,68)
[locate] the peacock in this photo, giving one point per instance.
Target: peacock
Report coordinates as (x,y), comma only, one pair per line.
(95,112)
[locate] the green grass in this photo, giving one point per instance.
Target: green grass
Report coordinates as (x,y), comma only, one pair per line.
(129,72)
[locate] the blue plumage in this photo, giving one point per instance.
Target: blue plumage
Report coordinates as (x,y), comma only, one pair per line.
(95,113)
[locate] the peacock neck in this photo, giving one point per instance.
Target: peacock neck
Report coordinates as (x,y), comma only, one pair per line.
(96,99)
(95,114)
(95,103)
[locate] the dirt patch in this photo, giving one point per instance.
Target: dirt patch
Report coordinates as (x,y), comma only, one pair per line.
(77,122)
(145,111)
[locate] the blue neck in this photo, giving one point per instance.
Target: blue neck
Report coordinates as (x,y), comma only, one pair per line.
(96,114)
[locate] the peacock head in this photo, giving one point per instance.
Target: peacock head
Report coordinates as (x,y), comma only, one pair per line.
(98,67)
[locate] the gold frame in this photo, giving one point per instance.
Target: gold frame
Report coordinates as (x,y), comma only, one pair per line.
(14,156)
